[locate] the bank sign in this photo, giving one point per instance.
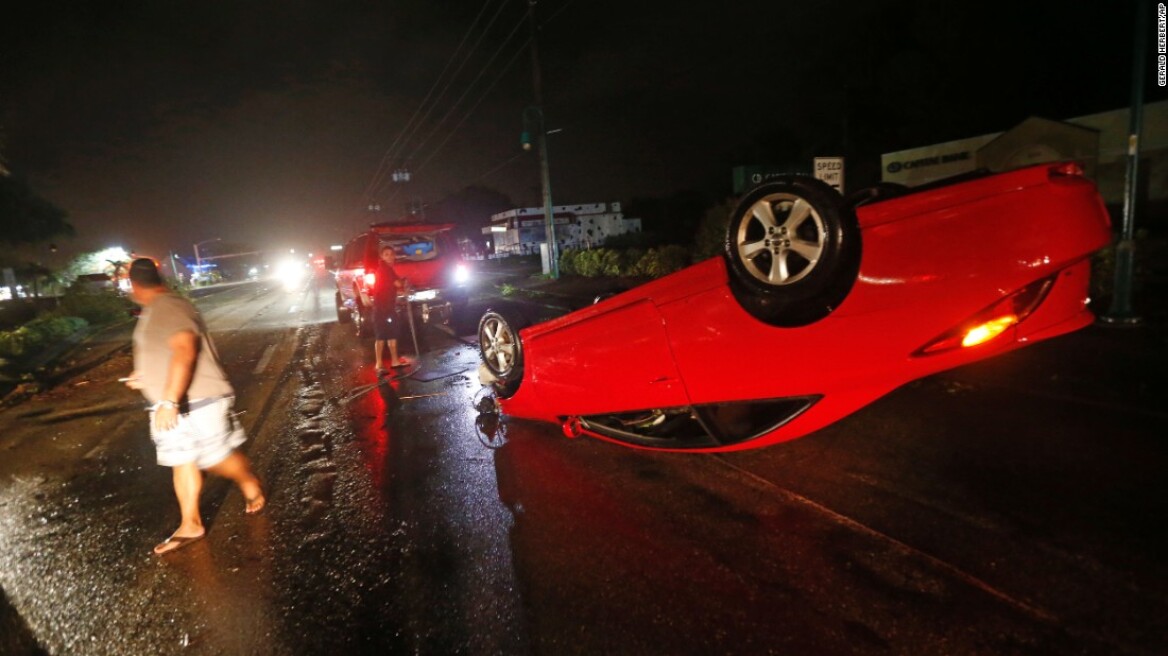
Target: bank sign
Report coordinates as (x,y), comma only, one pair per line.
(749,177)
(828,169)
(920,165)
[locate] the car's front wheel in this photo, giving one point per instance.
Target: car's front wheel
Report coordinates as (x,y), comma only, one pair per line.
(501,349)
(793,247)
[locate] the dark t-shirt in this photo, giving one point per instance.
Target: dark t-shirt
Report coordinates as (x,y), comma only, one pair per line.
(385,288)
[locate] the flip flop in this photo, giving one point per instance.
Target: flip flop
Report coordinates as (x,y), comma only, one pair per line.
(401,364)
(381,371)
(179,541)
(254,505)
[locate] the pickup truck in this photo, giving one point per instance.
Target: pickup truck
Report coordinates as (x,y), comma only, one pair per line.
(428,259)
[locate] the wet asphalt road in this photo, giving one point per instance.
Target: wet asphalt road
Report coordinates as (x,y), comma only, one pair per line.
(1004,508)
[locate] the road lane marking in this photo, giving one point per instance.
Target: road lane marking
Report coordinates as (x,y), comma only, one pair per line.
(265,359)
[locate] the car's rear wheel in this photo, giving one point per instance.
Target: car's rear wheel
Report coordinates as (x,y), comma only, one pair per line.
(500,348)
(363,318)
(343,313)
(793,247)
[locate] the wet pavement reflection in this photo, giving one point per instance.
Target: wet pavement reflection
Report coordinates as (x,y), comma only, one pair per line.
(406,515)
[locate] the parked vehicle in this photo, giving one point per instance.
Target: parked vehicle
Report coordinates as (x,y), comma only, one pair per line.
(428,259)
(817,307)
(96,282)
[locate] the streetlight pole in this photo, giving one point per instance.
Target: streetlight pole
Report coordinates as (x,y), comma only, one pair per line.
(198,260)
(541,130)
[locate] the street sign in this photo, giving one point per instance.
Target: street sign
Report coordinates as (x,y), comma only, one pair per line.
(749,177)
(831,171)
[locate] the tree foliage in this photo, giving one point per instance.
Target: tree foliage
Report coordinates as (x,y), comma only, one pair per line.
(673,220)
(711,236)
(25,217)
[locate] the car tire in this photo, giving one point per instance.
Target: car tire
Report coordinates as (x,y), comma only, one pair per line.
(363,318)
(793,250)
(501,349)
(343,313)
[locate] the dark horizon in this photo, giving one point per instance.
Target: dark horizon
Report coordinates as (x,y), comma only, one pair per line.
(270,125)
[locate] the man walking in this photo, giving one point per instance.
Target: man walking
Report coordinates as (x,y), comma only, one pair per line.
(177,369)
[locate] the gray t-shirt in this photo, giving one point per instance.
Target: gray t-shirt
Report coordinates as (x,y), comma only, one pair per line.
(166,315)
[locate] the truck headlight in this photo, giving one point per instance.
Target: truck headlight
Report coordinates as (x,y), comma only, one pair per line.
(461,274)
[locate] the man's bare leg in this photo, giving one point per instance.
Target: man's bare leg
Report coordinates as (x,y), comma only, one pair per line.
(188,485)
(394,361)
(378,348)
(237,468)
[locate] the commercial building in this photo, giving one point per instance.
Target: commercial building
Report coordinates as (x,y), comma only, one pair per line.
(1099,141)
(521,231)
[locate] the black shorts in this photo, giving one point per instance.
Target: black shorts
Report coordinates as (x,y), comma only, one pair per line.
(386,324)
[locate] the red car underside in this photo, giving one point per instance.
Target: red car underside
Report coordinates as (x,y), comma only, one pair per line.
(931,261)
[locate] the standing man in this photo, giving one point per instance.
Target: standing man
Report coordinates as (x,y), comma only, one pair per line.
(177,369)
(386,323)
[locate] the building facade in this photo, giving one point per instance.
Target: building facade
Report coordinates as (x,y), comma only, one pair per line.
(1099,141)
(521,231)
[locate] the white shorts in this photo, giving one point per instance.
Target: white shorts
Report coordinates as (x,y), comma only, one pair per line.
(204,436)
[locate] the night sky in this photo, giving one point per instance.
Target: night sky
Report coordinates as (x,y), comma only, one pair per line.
(159,124)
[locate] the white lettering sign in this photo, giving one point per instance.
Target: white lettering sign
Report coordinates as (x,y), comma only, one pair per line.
(831,171)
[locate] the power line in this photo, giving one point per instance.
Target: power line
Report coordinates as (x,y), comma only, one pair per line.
(482,97)
(378,184)
(458,102)
(406,132)
(453,77)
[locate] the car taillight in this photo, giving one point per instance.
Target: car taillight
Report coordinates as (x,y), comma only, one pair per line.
(1060,172)
(1066,169)
(370,279)
(992,321)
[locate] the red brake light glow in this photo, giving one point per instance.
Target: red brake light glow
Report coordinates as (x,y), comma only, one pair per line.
(992,321)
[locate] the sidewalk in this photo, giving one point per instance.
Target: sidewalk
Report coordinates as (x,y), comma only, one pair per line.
(81,352)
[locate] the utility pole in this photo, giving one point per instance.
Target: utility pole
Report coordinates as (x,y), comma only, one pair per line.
(541,131)
(1121,312)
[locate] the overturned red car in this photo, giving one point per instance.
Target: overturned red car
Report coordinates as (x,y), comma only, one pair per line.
(818,306)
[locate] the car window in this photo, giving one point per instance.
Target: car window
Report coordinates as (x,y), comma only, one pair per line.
(413,248)
(354,252)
